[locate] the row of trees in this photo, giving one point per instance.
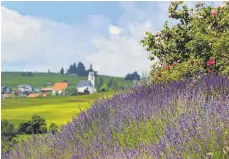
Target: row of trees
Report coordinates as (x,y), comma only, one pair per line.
(79,69)
(132,76)
(37,125)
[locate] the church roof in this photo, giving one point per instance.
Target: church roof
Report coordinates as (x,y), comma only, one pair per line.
(84,83)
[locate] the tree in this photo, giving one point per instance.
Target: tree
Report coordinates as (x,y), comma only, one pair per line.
(53,128)
(38,124)
(133,76)
(7,130)
(74,69)
(7,135)
(23,128)
(201,35)
(62,71)
(90,69)
(81,69)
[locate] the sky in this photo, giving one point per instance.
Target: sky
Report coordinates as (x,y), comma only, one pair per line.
(37,36)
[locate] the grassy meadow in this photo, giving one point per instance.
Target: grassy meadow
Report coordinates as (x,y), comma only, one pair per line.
(58,110)
(12,79)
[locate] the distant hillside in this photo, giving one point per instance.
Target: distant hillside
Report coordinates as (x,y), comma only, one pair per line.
(12,79)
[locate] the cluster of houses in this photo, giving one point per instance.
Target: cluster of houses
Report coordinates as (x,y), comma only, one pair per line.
(59,88)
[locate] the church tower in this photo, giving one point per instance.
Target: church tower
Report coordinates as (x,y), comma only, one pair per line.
(91,78)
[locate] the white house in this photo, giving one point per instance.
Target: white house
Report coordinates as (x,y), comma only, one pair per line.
(87,84)
(25,88)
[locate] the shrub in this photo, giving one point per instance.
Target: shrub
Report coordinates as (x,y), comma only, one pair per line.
(71,91)
(38,124)
(23,128)
(7,134)
(179,71)
(104,88)
(53,128)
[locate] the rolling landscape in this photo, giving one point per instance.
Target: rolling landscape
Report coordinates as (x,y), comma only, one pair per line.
(12,79)
(179,110)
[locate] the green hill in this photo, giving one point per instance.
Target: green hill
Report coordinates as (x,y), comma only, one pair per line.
(12,79)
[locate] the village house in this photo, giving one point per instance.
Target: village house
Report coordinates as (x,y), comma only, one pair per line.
(33,95)
(36,89)
(87,84)
(25,88)
(59,88)
(46,89)
(5,96)
(5,90)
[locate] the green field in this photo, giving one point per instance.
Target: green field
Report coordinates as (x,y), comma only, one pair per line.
(12,79)
(57,110)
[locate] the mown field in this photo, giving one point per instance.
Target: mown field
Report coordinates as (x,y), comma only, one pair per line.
(12,79)
(58,110)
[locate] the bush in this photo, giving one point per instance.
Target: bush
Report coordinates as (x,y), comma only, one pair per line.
(53,128)
(180,71)
(38,124)
(104,88)
(7,134)
(86,91)
(43,129)
(71,91)
(23,128)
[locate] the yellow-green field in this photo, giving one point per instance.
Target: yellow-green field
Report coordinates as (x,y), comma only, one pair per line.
(57,110)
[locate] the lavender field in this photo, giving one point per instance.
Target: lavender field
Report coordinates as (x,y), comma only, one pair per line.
(187,119)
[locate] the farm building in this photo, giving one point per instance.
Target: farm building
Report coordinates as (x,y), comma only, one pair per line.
(59,88)
(46,89)
(87,84)
(5,96)
(36,89)
(25,88)
(5,90)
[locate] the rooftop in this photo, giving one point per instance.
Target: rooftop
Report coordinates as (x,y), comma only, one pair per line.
(60,86)
(84,83)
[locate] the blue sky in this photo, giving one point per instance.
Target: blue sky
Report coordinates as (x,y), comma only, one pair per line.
(50,35)
(75,12)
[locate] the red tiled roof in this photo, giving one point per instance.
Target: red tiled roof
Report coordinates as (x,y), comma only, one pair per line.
(6,95)
(60,86)
(33,95)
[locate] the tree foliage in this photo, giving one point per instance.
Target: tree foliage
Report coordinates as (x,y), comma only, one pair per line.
(132,76)
(80,69)
(201,33)
(7,134)
(53,128)
(62,71)
(36,126)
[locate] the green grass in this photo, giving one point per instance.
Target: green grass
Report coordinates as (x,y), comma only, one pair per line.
(12,79)
(58,110)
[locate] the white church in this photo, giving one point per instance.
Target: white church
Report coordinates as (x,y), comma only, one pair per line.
(87,84)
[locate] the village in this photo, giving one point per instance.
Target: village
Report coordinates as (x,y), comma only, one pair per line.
(58,88)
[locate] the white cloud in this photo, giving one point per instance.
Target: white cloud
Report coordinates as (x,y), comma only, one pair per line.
(41,44)
(114,30)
